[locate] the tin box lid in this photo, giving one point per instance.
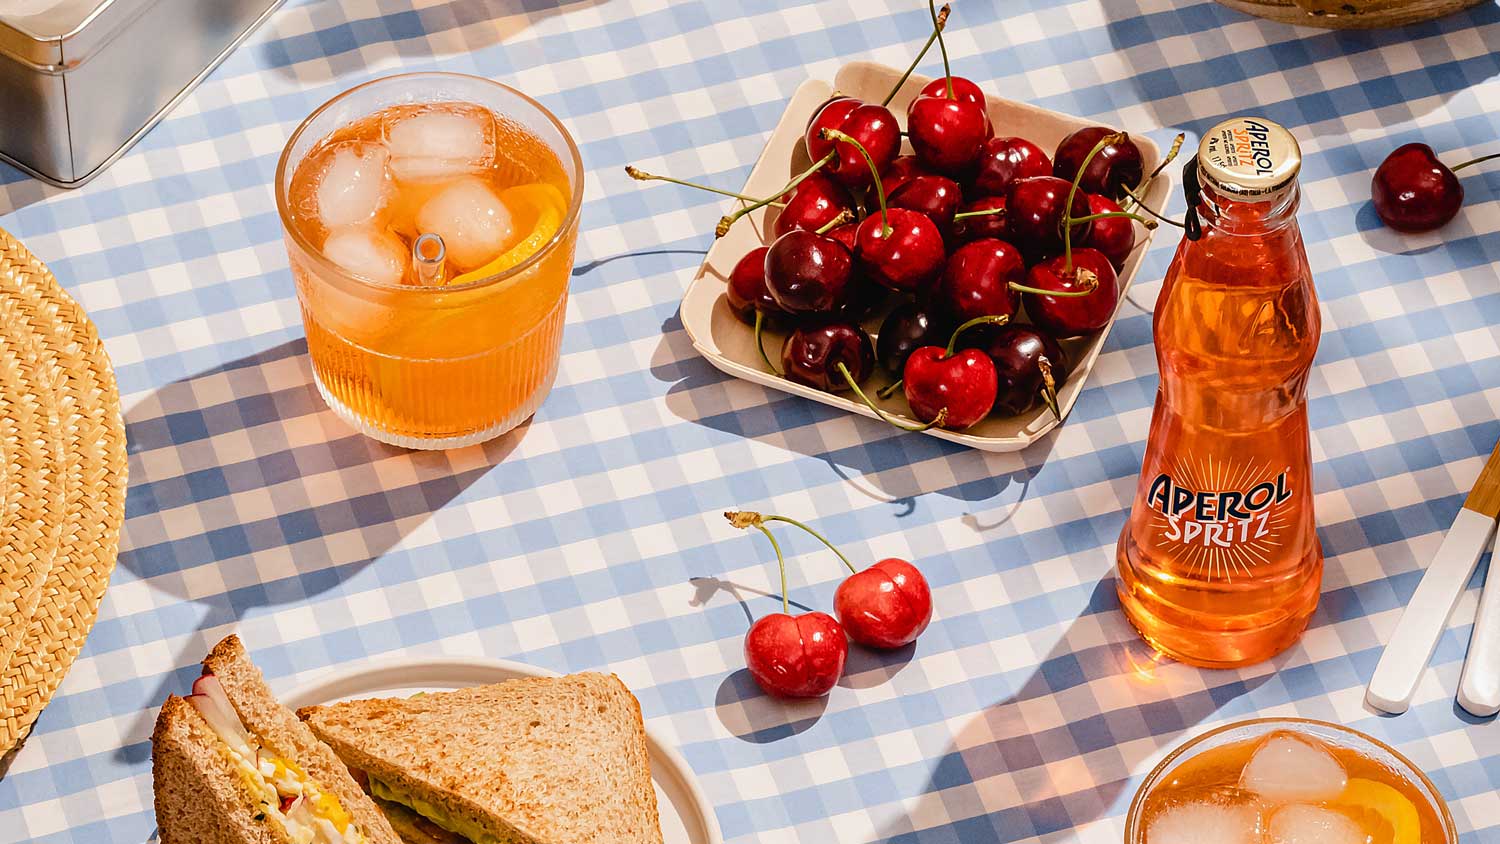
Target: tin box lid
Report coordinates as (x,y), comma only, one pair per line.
(53,34)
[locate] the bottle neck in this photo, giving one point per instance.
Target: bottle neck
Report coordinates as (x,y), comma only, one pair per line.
(1234,216)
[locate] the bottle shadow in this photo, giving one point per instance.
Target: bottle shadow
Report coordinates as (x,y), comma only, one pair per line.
(245,496)
(1060,752)
(316,42)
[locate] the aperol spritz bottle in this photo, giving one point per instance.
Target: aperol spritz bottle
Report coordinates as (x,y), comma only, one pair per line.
(1219,563)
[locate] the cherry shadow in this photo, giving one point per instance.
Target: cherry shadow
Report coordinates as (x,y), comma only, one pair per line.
(317,41)
(1060,751)
(246,494)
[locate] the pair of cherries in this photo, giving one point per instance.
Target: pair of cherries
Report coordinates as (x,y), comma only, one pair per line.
(885,606)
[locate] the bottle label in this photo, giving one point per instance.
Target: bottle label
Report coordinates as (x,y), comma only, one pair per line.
(1222,531)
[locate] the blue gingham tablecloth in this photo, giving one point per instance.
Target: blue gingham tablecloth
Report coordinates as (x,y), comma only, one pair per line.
(591,538)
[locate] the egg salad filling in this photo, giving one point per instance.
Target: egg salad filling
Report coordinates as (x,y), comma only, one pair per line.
(280,786)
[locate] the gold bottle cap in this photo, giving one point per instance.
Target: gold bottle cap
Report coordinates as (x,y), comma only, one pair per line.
(1249,158)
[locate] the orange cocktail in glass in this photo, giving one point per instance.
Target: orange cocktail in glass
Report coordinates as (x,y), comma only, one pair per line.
(430,220)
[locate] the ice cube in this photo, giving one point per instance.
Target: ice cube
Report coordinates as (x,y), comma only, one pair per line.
(474,223)
(1287,768)
(1313,825)
(442,142)
(352,184)
(1205,822)
(374,254)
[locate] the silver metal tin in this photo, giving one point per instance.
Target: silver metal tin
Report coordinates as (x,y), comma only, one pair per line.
(83,80)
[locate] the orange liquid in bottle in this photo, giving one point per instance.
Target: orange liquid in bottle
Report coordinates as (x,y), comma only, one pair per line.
(1219,563)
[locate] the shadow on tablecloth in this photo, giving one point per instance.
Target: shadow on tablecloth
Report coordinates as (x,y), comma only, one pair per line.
(246,493)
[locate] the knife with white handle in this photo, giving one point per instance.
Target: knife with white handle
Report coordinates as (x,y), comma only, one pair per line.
(1422,623)
(1479,691)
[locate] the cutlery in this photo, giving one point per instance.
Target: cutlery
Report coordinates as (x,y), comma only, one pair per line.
(1479,690)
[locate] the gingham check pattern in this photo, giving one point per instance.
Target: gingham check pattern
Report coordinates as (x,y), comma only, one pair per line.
(592,537)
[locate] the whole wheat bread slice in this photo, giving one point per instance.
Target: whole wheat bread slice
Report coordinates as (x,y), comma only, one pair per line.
(283,734)
(538,760)
(200,797)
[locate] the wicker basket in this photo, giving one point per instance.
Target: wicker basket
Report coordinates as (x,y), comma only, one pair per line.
(1350,14)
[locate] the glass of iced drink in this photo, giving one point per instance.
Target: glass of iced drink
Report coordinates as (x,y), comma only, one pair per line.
(1287,781)
(430,220)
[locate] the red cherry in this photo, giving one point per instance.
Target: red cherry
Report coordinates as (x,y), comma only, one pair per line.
(962,384)
(908,258)
(966,229)
(1114,236)
(1034,215)
(946,133)
(874,127)
(812,205)
(887,605)
(747,292)
(1116,167)
(977,281)
(830,115)
(1002,161)
(796,656)
(808,273)
(1415,192)
(964,90)
(811,355)
(1071,316)
(935,196)
(901,171)
(845,234)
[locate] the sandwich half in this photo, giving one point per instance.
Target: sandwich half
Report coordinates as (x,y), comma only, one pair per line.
(231,765)
(539,760)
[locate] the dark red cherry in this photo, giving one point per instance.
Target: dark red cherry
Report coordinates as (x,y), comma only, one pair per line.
(984,225)
(812,205)
(830,115)
(747,291)
(937,197)
(908,258)
(1002,161)
(946,134)
(1114,236)
(1071,316)
(845,234)
(808,273)
(977,281)
(906,328)
(1025,359)
(1034,215)
(901,171)
(812,353)
(875,128)
(961,385)
(1116,167)
(964,90)
(1415,192)
(865,297)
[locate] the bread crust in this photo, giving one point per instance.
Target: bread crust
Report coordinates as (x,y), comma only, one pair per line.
(544,760)
(199,796)
(281,731)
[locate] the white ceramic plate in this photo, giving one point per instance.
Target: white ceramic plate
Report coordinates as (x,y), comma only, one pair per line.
(730,345)
(686,815)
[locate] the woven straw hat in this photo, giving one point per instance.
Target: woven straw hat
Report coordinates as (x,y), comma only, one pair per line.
(62,484)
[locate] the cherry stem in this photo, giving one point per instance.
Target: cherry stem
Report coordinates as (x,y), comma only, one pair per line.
(938,420)
(986,212)
(890,390)
(786,604)
(760,318)
(843,217)
(642,176)
(1104,215)
(997,319)
(729,219)
(836,135)
(1149,210)
(820,537)
(1089,286)
(942,19)
(1049,387)
(942,47)
(1479,160)
(1105,141)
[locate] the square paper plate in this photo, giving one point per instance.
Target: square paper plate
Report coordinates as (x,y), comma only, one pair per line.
(730,345)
